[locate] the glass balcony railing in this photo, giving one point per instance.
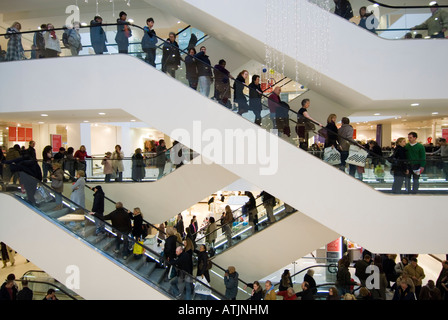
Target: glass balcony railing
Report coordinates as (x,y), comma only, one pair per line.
(394,21)
(250,102)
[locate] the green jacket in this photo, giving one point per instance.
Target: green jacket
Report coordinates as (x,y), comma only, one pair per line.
(416,154)
(435,23)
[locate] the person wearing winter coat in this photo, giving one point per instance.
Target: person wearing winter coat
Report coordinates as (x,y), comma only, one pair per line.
(122,222)
(149,42)
(98,36)
(203,263)
(52,45)
(403,292)
(269,292)
(57,183)
(343,8)
(222,77)
(205,76)
(400,167)
(211,233)
(231,283)
(107,167)
(255,95)
(15,49)
(74,39)
(78,188)
(171,55)
(98,209)
(117,163)
(138,166)
(124,32)
(191,69)
(239,97)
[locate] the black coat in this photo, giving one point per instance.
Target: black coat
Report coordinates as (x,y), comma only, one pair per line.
(120,220)
(332,135)
(171,55)
(169,250)
(30,167)
(137,230)
(98,202)
(202,263)
(399,163)
(311,282)
(344,9)
(203,64)
(305,294)
(25,294)
(183,262)
(4,294)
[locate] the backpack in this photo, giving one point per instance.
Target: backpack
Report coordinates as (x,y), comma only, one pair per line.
(65,36)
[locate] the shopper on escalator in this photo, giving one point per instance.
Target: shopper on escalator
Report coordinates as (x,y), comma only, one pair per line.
(205,75)
(436,24)
(343,9)
(121,222)
(239,98)
(255,95)
(98,209)
(149,42)
(171,55)
(400,167)
(98,36)
(124,32)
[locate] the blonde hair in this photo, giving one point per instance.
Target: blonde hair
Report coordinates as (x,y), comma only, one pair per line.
(57,165)
(14,25)
(399,140)
(331,116)
(81,173)
(228,209)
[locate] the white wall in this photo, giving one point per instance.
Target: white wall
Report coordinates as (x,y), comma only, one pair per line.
(54,250)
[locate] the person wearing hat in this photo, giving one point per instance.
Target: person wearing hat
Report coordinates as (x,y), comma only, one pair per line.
(436,24)
(107,169)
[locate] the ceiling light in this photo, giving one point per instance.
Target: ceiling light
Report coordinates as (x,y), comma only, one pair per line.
(178,22)
(432,3)
(101,113)
(131,20)
(435,113)
(133,120)
(41,122)
(377,114)
(44,115)
(83,24)
(415,104)
(85,121)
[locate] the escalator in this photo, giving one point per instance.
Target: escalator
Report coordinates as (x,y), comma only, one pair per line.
(92,260)
(326,60)
(309,182)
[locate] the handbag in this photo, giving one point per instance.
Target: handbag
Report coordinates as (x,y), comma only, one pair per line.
(172,272)
(138,249)
(357,156)
(323,133)
(332,156)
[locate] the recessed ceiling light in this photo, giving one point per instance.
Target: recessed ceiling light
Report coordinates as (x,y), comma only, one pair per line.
(44,115)
(101,113)
(435,113)
(377,114)
(178,21)
(41,122)
(86,121)
(432,3)
(415,105)
(19,125)
(133,120)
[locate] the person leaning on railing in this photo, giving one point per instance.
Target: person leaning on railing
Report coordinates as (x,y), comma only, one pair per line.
(437,24)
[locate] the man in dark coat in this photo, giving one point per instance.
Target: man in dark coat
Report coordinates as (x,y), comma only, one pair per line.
(183,280)
(121,222)
(343,9)
(26,293)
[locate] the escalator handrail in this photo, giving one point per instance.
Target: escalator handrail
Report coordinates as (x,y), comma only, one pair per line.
(405,7)
(49,284)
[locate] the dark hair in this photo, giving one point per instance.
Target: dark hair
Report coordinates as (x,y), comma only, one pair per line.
(122,13)
(222,61)
(50,291)
(304,101)
(345,120)
(202,47)
(149,20)
(11,276)
(24,283)
(161,141)
(412,133)
(70,150)
(254,77)
(97,17)
(211,220)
